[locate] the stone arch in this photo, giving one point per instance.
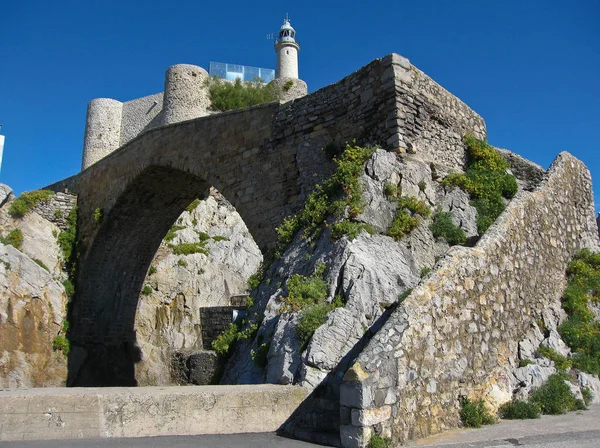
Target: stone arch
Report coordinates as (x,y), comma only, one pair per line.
(111,276)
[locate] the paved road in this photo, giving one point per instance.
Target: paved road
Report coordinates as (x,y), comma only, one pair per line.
(576,429)
(265,440)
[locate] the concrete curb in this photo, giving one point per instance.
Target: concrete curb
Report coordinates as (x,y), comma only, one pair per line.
(78,413)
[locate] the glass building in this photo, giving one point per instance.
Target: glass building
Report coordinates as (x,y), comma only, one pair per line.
(232,72)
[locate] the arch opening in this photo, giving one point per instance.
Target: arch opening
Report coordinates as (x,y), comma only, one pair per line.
(111,276)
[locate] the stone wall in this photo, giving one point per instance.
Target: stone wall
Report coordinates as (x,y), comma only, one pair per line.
(457,333)
(215,320)
(265,160)
(140,115)
(57,208)
(79,413)
(430,120)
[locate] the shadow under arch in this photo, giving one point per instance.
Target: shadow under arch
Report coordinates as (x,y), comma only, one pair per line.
(102,316)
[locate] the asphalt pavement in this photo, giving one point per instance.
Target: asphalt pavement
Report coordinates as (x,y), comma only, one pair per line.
(577,429)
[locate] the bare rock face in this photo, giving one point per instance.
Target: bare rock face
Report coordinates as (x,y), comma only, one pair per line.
(168,318)
(369,272)
(32,311)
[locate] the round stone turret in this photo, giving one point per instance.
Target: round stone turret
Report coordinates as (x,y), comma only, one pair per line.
(102,130)
(287,51)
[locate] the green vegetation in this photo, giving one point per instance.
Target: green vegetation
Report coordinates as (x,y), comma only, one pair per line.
(288,85)
(218,238)
(69,288)
(587,395)
(376,441)
(172,232)
(147,290)
(350,228)
(581,331)
(67,240)
(402,297)
(555,396)
(475,414)
(181,262)
(407,214)
(58,214)
(27,201)
(525,362)
(98,216)
(152,270)
(256,278)
(519,410)
(424,272)
(189,248)
(14,238)
(41,264)
(486,180)
(195,203)
(225,342)
(340,196)
(442,227)
(61,343)
(304,292)
(309,296)
(560,362)
(226,95)
(259,356)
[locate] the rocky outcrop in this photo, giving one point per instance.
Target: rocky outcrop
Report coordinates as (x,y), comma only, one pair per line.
(168,324)
(369,272)
(32,313)
(168,316)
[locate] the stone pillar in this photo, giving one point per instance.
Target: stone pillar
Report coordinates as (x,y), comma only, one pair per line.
(102,130)
(186,93)
(290,88)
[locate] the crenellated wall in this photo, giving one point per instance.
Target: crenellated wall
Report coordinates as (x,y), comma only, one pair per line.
(457,333)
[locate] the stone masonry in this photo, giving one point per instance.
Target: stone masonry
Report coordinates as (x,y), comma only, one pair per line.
(57,208)
(457,333)
(266,171)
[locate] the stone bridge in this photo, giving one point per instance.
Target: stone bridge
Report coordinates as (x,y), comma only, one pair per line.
(264,160)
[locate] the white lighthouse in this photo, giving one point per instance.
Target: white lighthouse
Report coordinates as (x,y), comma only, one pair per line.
(287,51)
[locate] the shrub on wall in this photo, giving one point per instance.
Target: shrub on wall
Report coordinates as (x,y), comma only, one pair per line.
(443,228)
(473,414)
(27,201)
(486,180)
(340,196)
(226,95)
(14,238)
(555,396)
(581,331)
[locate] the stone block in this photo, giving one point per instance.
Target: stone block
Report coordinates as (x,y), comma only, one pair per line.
(369,417)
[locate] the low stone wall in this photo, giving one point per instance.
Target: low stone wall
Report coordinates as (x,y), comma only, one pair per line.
(85,413)
(57,209)
(458,331)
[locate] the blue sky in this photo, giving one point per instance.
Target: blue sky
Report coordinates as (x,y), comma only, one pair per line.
(530,68)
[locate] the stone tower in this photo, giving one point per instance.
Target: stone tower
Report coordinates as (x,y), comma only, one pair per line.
(287,51)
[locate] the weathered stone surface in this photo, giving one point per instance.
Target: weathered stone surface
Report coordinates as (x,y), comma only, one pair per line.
(456,202)
(528,173)
(202,367)
(168,319)
(6,193)
(592,382)
(32,311)
(83,413)
(555,342)
(334,339)
(459,328)
(284,352)
(531,376)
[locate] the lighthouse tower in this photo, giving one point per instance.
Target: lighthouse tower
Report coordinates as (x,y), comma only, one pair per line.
(287,51)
